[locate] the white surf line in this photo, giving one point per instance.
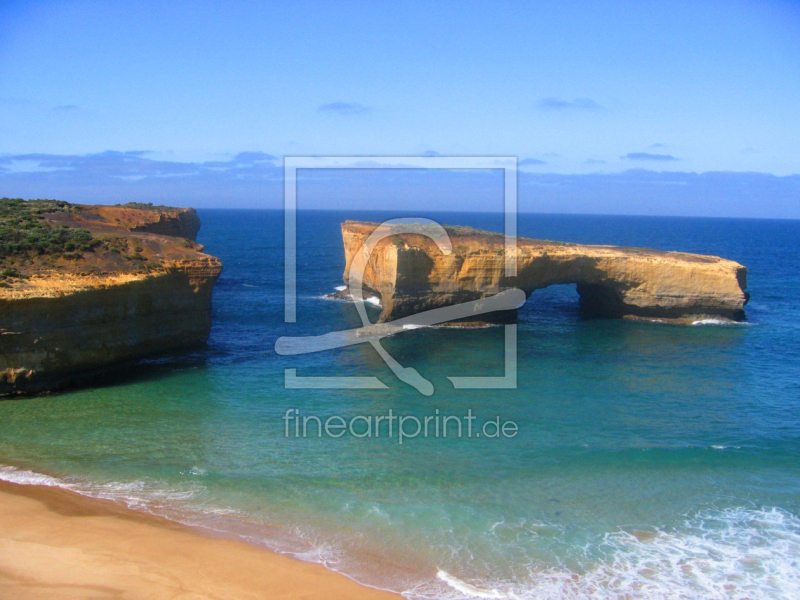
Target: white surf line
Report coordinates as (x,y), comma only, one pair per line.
(291,346)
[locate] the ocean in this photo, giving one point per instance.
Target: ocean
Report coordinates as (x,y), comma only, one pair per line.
(650,460)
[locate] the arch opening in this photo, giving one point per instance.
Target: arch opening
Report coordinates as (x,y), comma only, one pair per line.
(557,302)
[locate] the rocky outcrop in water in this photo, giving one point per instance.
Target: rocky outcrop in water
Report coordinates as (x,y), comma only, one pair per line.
(143,288)
(411,274)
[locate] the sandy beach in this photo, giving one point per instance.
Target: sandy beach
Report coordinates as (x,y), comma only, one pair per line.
(56,544)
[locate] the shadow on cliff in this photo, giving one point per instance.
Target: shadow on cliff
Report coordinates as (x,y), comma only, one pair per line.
(126,372)
(598,296)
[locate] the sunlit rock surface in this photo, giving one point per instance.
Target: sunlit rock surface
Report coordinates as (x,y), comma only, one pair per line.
(411,274)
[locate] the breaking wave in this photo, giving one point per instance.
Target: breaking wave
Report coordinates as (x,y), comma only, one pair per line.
(722,554)
(723,322)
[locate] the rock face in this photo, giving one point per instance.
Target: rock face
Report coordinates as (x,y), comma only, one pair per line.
(144,289)
(411,275)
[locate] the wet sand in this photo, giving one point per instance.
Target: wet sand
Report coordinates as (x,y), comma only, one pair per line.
(56,544)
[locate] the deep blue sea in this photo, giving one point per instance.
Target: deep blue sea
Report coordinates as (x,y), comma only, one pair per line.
(651,460)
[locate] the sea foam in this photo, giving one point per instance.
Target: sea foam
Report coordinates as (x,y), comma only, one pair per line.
(25,477)
(723,322)
(722,554)
(147,495)
(465,588)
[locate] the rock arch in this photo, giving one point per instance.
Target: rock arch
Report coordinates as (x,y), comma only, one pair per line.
(411,275)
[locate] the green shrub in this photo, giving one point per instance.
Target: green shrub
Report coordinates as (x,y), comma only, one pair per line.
(24,230)
(141,205)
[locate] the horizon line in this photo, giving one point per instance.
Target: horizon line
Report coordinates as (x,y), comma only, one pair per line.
(486,212)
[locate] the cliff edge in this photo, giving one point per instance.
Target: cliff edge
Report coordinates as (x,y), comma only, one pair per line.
(411,275)
(86,288)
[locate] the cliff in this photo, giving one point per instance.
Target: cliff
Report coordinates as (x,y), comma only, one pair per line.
(129,282)
(411,274)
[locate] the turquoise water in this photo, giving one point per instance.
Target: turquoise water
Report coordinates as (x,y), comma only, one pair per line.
(652,461)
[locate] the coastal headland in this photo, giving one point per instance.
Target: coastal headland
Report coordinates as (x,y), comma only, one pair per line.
(85,289)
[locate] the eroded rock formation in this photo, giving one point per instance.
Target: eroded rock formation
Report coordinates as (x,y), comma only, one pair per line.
(411,274)
(143,289)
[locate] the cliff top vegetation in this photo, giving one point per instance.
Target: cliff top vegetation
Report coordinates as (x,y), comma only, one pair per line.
(24,230)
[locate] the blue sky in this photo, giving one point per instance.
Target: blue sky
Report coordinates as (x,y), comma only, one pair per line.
(143,99)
